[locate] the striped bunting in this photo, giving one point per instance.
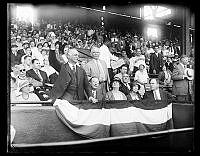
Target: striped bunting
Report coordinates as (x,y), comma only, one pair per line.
(115,118)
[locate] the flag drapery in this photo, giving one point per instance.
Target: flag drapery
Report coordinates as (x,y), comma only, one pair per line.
(115,118)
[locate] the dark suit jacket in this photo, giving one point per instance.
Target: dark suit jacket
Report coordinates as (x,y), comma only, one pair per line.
(124,89)
(53,61)
(169,66)
(99,93)
(31,73)
(163,94)
(155,63)
(64,79)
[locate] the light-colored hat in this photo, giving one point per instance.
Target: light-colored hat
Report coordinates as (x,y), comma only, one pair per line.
(189,73)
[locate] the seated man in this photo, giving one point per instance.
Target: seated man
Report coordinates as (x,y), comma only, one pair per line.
(157,93)
(97,92)
(125,86)
(39,78)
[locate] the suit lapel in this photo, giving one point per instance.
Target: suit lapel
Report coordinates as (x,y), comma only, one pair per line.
(35,76)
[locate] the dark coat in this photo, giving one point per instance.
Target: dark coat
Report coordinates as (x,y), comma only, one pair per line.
(64,80)
(155,63)
(165,96)
(124,89)
(31,73)
(99,93)
(169,66)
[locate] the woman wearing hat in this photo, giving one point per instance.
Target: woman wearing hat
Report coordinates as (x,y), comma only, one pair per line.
(134,92)
(115,94)
(26,92)
(141,77)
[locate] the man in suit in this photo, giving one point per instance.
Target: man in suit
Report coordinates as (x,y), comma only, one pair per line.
(169,65)
(125,86)
(39,78)
(156,61)
(72,82)
(157,93)
(98,68)
(180,86)
(96,90)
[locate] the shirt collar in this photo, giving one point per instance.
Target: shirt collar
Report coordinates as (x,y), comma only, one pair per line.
(71,65)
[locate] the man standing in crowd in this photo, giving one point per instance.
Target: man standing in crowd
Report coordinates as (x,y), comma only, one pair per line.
(156,61)
(180,86)
(72,82)
(107,56)
(98,68)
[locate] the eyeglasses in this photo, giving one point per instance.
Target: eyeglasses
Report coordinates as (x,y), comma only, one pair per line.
(22,70)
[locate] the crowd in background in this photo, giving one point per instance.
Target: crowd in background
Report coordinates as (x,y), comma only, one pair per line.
(132,57)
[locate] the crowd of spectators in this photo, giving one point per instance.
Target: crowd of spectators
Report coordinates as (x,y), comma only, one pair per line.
(143,59)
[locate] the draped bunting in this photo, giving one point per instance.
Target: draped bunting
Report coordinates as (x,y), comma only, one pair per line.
(115,118)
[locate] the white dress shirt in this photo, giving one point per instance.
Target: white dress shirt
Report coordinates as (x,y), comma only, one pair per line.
(106,55)
(156,94)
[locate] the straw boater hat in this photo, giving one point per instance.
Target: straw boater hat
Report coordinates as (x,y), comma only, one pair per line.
(189,73)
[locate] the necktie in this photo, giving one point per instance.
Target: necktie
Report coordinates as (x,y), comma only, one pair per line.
(37,72)
(73,68)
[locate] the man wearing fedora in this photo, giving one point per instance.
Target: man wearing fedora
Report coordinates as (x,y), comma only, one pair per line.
(181,87)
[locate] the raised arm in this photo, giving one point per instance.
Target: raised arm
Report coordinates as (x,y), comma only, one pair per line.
(52,58)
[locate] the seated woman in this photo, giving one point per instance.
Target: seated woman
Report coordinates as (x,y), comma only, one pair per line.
(165,78)
(134,92)
(26,93)
(141,77)
(115,94)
